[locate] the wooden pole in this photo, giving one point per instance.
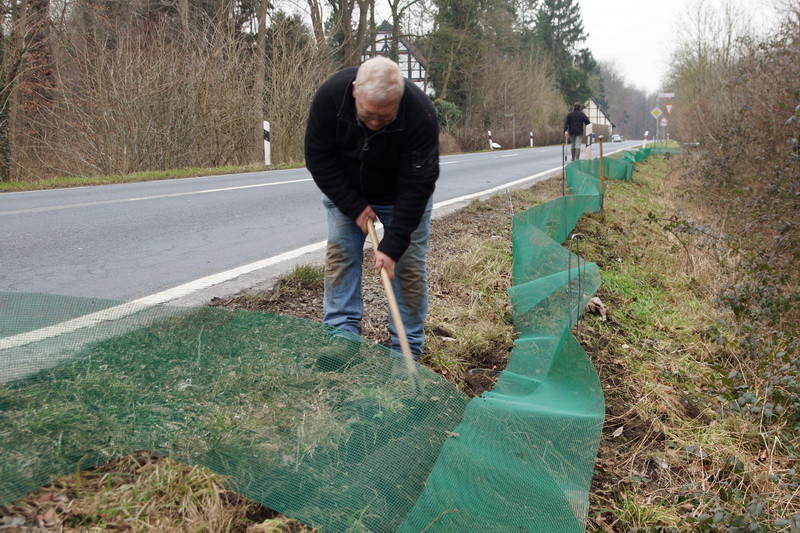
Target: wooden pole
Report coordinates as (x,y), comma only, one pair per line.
(602,181)
(394,310)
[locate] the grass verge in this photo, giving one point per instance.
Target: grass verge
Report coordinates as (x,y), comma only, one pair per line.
(701,433)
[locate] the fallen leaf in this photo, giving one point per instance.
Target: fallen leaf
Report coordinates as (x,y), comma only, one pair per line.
(50,517)
(618,431)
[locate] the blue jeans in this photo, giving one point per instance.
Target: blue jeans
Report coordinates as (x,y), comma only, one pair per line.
(343,304)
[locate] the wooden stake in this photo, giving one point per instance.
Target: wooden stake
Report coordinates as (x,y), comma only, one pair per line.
(394,310)
(602,181)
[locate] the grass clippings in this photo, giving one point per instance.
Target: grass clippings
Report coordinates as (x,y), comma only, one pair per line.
(141,492)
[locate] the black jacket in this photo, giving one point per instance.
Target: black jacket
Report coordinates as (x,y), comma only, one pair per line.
(574,121)
(356,167)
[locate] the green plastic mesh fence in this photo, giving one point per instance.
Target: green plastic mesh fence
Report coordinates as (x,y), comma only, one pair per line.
(345,441)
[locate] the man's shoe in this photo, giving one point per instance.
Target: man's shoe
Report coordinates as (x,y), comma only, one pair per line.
(340,355)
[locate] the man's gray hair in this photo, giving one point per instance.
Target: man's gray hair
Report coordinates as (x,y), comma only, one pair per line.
(379,79)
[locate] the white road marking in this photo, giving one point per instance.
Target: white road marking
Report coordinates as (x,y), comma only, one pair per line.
(141,198)
(493,190)
(130,308)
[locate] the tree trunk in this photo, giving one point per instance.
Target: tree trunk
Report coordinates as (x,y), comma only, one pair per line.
(346,21)
(39,79)
(394,45)
(6,88)
(364,10)
(316,13)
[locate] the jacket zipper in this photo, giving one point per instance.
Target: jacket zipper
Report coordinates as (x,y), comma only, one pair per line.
(364,148)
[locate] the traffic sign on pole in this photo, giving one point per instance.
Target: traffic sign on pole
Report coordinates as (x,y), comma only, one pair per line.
(664,122)
(666,96)
(656,112)
(669,108)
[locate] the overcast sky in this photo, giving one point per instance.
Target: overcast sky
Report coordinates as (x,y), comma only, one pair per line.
(638,35)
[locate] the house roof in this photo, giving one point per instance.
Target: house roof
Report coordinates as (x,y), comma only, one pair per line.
(386,29)
(599,110)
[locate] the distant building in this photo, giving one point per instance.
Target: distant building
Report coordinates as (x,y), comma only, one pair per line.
(411,61)
(601,124)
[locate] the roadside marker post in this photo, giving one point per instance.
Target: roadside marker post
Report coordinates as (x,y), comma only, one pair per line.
(267,154)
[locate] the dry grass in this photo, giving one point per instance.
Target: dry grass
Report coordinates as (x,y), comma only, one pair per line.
(142,492)
(685,448)
(470,329)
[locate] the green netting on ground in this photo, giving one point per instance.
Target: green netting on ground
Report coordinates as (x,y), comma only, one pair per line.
(363,447)
(239,392)
(633,156)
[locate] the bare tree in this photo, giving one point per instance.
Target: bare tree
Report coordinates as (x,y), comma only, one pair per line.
(316,12)
(28,82)
(517,96)
(711,43)
(38,82)
(349,27)
(12,68)
(295,68)
(398,10)
(628,106)
(261,67)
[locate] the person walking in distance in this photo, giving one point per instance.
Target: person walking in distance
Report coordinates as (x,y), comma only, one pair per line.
(574,124)
(372,147)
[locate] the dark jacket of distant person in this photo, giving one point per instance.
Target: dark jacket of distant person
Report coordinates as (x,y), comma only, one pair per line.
(575,121)
(356,167)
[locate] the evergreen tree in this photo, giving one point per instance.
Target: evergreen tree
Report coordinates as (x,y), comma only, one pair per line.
(559,31)
(456,48)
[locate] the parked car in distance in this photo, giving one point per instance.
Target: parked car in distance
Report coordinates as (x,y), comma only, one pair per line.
(616,138)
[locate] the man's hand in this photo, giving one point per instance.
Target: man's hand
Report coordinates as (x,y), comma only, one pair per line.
(366,214)
(384,261)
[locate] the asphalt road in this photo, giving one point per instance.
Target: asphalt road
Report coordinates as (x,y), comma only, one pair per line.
(167,240)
